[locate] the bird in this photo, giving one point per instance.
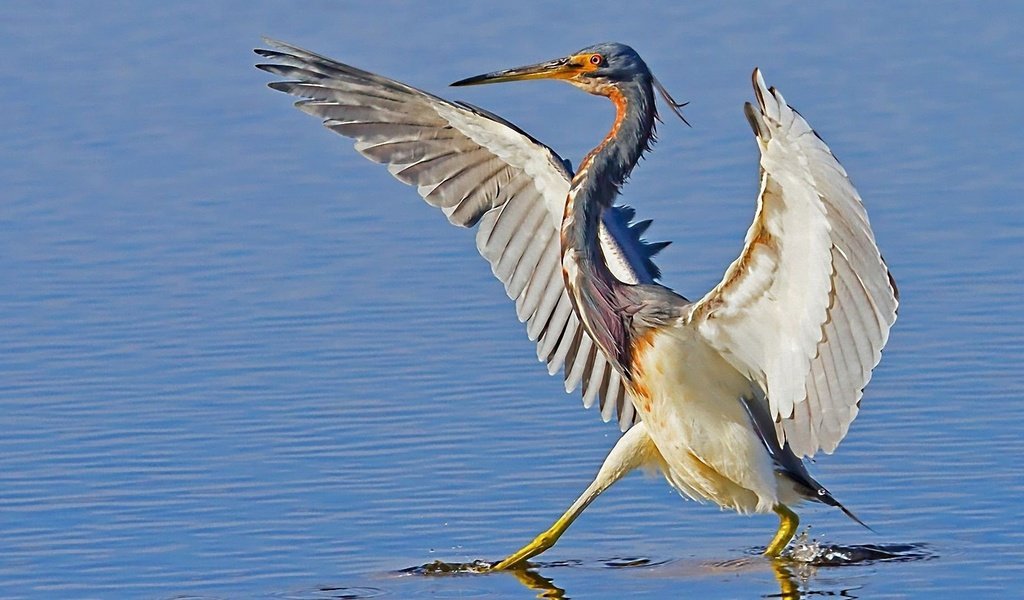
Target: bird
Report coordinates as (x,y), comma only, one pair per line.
(725,395)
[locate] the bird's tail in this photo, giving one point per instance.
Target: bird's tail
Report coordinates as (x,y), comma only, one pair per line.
(788,463)
(826,497)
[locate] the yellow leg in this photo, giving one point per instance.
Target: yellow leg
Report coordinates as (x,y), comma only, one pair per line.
(547,539)
(788,522)
(633,449)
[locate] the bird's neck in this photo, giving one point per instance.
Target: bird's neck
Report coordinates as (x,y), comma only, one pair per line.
(590,283)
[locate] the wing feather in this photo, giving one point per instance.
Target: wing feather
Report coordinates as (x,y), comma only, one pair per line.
(479,169)
(531,307)
(528,265)
(576,361)
(807,307)
(594,383)
(554,333)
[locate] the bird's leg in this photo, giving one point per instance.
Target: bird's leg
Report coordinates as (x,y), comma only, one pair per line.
(633,449)
(788,522)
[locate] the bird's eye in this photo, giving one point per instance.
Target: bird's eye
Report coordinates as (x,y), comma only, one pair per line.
(596,59)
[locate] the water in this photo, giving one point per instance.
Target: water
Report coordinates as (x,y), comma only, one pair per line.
(237,361)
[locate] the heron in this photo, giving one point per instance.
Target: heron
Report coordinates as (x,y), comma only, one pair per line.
(724,396)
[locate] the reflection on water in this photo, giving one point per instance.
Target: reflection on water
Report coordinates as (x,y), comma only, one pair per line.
(239,361)
(797,573)
(340,593)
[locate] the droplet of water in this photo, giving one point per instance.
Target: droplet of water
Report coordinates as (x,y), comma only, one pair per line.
(804,548)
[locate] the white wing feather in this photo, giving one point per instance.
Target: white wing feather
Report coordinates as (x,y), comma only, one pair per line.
(479,170)
(806,308)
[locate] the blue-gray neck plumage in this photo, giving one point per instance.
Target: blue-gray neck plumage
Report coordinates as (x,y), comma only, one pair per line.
(592,287)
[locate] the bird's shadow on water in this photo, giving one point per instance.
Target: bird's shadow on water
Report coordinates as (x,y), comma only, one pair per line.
(796,572)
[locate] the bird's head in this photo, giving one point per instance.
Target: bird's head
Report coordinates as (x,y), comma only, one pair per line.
(591,69)
(597,69)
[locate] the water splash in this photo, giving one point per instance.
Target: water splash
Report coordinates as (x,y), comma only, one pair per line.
(810,551)
(439,567)
(796,571)
(478,566)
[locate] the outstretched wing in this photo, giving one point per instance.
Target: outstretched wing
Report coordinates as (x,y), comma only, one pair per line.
(480,170)
(806,308)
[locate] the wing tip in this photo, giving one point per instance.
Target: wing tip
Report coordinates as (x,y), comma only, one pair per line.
(757,79)
(757,124)
(769,99)
(756,116)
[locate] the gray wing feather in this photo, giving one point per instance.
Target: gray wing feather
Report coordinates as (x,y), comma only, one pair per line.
(535,305)
(479,170)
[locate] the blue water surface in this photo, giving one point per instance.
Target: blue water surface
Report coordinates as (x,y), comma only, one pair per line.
(239,361)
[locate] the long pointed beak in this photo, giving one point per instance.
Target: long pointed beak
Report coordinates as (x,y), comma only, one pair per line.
(559,68)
